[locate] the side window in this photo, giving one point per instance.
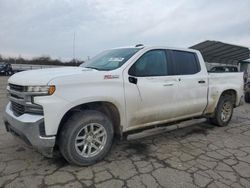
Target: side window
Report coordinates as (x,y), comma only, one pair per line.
(185,63)
(152,63)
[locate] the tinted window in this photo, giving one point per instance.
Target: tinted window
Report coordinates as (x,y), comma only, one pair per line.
(152,63)
(224,69)
(185,63)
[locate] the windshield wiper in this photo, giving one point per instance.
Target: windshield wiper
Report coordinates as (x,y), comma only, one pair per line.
(95,68)
(92,68)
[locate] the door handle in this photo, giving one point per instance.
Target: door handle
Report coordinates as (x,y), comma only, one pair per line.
(168,84)
(201,81)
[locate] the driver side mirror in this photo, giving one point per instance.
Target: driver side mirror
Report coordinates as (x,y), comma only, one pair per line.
(132,80)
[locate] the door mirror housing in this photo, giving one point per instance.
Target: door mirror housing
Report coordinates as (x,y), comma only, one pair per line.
(132,80)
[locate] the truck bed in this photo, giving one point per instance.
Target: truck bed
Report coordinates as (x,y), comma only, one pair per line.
(221,81)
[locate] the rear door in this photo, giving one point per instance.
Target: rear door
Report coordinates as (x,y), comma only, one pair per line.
(193,83)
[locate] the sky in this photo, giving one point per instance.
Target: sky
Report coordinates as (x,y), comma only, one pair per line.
(32,28)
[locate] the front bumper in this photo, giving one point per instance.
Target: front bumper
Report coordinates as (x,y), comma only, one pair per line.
(28,128)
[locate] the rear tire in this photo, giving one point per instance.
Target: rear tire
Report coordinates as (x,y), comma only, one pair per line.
(86,137)
(247,97)
(223,112)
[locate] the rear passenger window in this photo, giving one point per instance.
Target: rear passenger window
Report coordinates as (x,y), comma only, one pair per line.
(185,63)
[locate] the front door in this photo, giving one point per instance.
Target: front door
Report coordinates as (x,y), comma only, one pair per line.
(149,91)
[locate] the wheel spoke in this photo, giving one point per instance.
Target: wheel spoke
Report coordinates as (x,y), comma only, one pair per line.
(94,146)
(100,135)
(86,130)
(89,149)
(84,149)
(80,143)
(91,128)
(80,137)
(98,141)
(98,130)
(223,117)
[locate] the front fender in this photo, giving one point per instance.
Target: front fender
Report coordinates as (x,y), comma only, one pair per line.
(56,107)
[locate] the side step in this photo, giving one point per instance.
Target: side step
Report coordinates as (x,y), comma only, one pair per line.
(157,129)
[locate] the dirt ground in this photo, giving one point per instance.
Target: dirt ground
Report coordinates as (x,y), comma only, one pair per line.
(196,154)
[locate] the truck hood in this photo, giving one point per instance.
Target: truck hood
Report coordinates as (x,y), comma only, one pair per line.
(44,76)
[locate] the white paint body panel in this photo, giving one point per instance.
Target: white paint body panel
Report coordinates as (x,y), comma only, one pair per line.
(153,100)
(42,77)
(220,82)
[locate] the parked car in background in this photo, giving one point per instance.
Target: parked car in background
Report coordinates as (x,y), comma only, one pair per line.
(224,69)
(120,91)
(6,69)
(247,91)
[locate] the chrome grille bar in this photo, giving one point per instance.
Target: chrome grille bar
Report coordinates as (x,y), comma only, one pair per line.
(21,101)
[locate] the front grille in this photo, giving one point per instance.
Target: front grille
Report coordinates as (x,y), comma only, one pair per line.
(16,96)
(16,87)
(17,109)
(21,101)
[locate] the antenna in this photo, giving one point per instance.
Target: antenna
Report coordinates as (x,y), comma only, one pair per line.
(74,48)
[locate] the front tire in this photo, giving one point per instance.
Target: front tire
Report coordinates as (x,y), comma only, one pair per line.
(86,137)
(223,111)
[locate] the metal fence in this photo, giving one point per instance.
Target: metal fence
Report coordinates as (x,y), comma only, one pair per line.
(22,67)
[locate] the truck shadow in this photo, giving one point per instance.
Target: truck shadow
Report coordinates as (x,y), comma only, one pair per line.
(142,145)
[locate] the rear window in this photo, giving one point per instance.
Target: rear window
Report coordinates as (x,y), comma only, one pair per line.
(185,63)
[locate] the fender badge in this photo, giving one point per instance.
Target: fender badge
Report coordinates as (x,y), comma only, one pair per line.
(108,77)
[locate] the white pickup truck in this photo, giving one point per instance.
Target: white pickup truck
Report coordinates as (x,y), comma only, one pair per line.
(78,110)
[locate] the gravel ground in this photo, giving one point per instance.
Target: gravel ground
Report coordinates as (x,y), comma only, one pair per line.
(195,154)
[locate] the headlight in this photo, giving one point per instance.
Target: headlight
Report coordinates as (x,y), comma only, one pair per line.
(49,90)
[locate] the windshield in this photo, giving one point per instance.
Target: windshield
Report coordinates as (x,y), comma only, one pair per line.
(110,59)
